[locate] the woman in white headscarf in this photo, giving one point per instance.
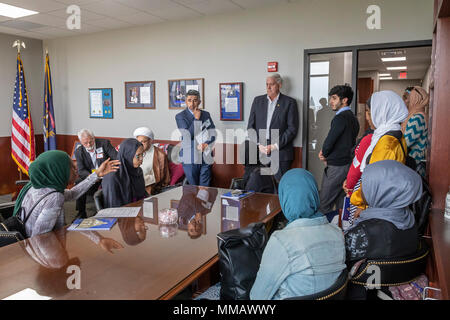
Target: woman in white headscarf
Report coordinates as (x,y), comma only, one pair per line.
(387,111)
(155,164)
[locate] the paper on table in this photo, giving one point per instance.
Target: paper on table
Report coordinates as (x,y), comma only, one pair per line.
(232,213)
(97,103)
(148,209)
(145,95)
(231,104)
(27,294)
(123,212)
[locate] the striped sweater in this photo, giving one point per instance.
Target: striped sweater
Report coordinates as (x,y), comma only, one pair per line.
(416,137)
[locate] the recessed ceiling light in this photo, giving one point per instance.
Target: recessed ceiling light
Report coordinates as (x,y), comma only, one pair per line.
(397,68)
(386,78)
(384,75)
(14,12)
(393,59)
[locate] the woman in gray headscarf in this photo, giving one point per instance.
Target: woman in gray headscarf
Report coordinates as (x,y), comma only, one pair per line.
(386,229)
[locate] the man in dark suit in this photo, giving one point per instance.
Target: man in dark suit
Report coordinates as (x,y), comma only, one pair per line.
(275,111)
(90,155)
(198,135)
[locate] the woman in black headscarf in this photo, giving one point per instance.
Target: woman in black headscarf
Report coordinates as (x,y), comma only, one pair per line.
(127,184)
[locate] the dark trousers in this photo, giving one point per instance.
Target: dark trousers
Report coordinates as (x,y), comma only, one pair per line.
(331,192)
(81,201)
(198,174)
(284,167)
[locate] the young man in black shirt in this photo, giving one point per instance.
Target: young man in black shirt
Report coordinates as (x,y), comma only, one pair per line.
(337,147)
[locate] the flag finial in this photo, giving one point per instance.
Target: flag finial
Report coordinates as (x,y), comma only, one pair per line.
(19,44)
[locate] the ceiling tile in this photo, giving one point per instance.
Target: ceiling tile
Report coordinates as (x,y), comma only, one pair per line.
(247,4)
(109,8)
(2,19)
(141,18)
(21,24)
(8,30)
(55,32)
(110,23)
(164,9)
(46,19)
(36,5)
(86,15)
(210,6)
(87,28)
(77,2)
(35,35)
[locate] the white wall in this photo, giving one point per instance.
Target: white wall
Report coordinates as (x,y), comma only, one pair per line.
(426,80)
(399,86)
(223,48)
(33,65)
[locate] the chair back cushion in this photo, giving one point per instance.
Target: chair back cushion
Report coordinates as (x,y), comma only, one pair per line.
(394,271)
(337,291)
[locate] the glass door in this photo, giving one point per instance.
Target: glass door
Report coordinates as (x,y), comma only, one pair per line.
(325,72)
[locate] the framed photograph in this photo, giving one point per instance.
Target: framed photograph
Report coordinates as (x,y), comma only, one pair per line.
(231,101)
(101,103)
(230,215)
(178,89)
(150,210)
(140,95)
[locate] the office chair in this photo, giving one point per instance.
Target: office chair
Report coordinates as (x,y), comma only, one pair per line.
(394,271)
(337,291)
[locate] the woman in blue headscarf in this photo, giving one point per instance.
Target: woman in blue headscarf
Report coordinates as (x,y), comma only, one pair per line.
(308,255)
(387,228)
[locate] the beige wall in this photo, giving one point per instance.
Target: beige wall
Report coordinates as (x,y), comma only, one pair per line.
(223,48)
(33,65)
(399,86)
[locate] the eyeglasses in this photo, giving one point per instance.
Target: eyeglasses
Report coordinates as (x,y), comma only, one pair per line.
(140,156)
(415,89)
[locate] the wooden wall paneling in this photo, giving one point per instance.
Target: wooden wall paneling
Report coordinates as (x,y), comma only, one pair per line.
(439,160)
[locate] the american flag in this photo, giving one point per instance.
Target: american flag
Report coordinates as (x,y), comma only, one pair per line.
(22,135)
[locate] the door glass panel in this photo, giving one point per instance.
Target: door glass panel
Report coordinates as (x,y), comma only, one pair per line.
(326,71)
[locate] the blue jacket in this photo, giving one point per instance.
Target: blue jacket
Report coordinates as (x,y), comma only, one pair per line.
(185,120)
(304,258)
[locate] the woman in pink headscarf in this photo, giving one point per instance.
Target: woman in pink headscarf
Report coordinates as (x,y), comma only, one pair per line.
(415,127)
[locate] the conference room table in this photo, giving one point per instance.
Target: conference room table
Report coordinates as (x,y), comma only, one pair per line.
(156,264)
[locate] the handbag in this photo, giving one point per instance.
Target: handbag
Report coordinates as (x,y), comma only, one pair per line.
(240,253)
(13,229)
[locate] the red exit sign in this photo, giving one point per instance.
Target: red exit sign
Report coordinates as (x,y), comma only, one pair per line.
(403,75)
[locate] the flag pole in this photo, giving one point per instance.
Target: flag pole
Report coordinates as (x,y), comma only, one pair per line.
(19,44)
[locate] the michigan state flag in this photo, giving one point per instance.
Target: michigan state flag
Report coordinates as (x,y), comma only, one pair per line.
(49,115)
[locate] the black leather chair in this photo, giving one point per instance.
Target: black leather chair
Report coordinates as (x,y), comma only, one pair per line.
(337,291)
(98,200)
(6,238)
(394,272)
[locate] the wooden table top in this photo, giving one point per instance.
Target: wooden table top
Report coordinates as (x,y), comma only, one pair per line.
(152,263)
(440,235)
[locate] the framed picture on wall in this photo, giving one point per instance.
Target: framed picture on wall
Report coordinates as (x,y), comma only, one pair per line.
(140,95)
(101,103)
(178,89)
(231,101)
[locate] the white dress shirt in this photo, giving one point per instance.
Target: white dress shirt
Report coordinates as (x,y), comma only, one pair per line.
(93,155)
(270,110)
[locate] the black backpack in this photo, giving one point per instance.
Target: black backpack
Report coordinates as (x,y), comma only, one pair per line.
(421,208)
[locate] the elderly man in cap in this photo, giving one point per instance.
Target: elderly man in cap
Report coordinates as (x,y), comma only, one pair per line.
(155,164)
(198,135)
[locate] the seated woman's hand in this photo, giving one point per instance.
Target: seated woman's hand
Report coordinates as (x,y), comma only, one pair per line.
(107,166)
(108,244)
